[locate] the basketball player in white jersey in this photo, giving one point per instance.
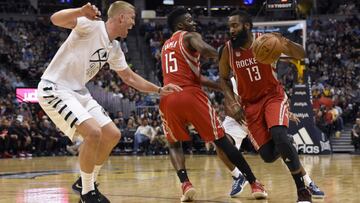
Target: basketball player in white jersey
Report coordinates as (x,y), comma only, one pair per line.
(62,93)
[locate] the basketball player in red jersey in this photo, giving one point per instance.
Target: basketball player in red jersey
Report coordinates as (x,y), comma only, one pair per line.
(264,102)
(180,65)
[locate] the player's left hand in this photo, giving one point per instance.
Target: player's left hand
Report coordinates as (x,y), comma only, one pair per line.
(294,118)
(278,35)
(283,40)
(90,11)
(169,88)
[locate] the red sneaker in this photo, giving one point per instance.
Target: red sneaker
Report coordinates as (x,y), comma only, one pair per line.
(258,191)
(304,196)
(188,192)
(7,155)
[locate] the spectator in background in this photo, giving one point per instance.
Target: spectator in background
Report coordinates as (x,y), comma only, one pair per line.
(74,148)
(158,140)
(121,120)
(4,138)
(143,135)
(20,139)
(355,135)
(38,139)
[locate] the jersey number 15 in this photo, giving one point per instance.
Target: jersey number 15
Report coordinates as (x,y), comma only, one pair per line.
(170,63)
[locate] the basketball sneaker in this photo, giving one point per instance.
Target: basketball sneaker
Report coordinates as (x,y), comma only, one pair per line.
(77,188)
(238,185)
(304,196)
(188,192)
(315,191)
(258,191)
(91,197)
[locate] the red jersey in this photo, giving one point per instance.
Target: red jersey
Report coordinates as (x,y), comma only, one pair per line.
(254,79)
(179,63)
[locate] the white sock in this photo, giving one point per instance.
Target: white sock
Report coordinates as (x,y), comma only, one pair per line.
(236,172)
(96,171)
(87,180)
(307,179)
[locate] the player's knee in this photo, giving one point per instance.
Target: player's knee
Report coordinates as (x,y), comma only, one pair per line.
(231,140)
(268,152)
(93,136)
(115,136)
(279,134)
(267,157)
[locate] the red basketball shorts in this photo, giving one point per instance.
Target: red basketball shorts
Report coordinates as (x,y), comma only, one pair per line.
(271,110)
(190,106)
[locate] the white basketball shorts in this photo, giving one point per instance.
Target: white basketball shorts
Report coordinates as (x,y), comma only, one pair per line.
(237,131)
(68,108)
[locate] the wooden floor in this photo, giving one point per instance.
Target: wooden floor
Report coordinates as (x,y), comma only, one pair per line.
(131,179)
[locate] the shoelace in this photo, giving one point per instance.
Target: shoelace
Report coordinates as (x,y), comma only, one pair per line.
(314,187)
(261,186)
(186,186)
(236,182)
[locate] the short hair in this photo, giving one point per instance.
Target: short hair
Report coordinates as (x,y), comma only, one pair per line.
(245,17)
(173,17)
(119,5)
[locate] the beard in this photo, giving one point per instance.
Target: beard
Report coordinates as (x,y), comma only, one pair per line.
(241,38)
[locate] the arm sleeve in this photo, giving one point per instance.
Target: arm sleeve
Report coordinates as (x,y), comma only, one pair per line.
(117,60)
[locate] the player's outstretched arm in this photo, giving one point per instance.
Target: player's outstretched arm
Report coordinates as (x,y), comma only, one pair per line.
(67,18)
(291,48)
(139,83)
(194,41)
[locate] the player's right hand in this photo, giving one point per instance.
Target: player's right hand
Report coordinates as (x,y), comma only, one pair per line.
(169,88)
(238,114)
(90,11)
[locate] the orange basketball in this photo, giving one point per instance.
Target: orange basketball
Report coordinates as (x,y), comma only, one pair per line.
(267,48)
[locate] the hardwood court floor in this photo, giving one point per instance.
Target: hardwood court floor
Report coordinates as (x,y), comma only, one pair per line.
(131,179)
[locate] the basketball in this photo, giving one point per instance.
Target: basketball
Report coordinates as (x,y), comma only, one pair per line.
(267,48)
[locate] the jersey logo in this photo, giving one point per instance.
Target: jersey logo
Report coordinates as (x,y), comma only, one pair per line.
(238,54)
(97,61)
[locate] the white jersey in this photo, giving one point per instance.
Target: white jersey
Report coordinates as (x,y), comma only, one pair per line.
(83,54)
(234,85)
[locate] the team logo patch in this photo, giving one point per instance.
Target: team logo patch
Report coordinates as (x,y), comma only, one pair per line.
(97,61)
(238,54)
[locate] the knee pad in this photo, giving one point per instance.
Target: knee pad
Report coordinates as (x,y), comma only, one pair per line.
(285,148)
(268,158)
(279,134)
(268,152)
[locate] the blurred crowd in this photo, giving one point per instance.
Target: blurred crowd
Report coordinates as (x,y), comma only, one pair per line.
(334,64)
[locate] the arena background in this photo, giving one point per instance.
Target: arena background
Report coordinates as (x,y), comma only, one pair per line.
(324,88)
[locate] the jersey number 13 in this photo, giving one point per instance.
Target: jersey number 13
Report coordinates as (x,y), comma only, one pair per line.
(254,73)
